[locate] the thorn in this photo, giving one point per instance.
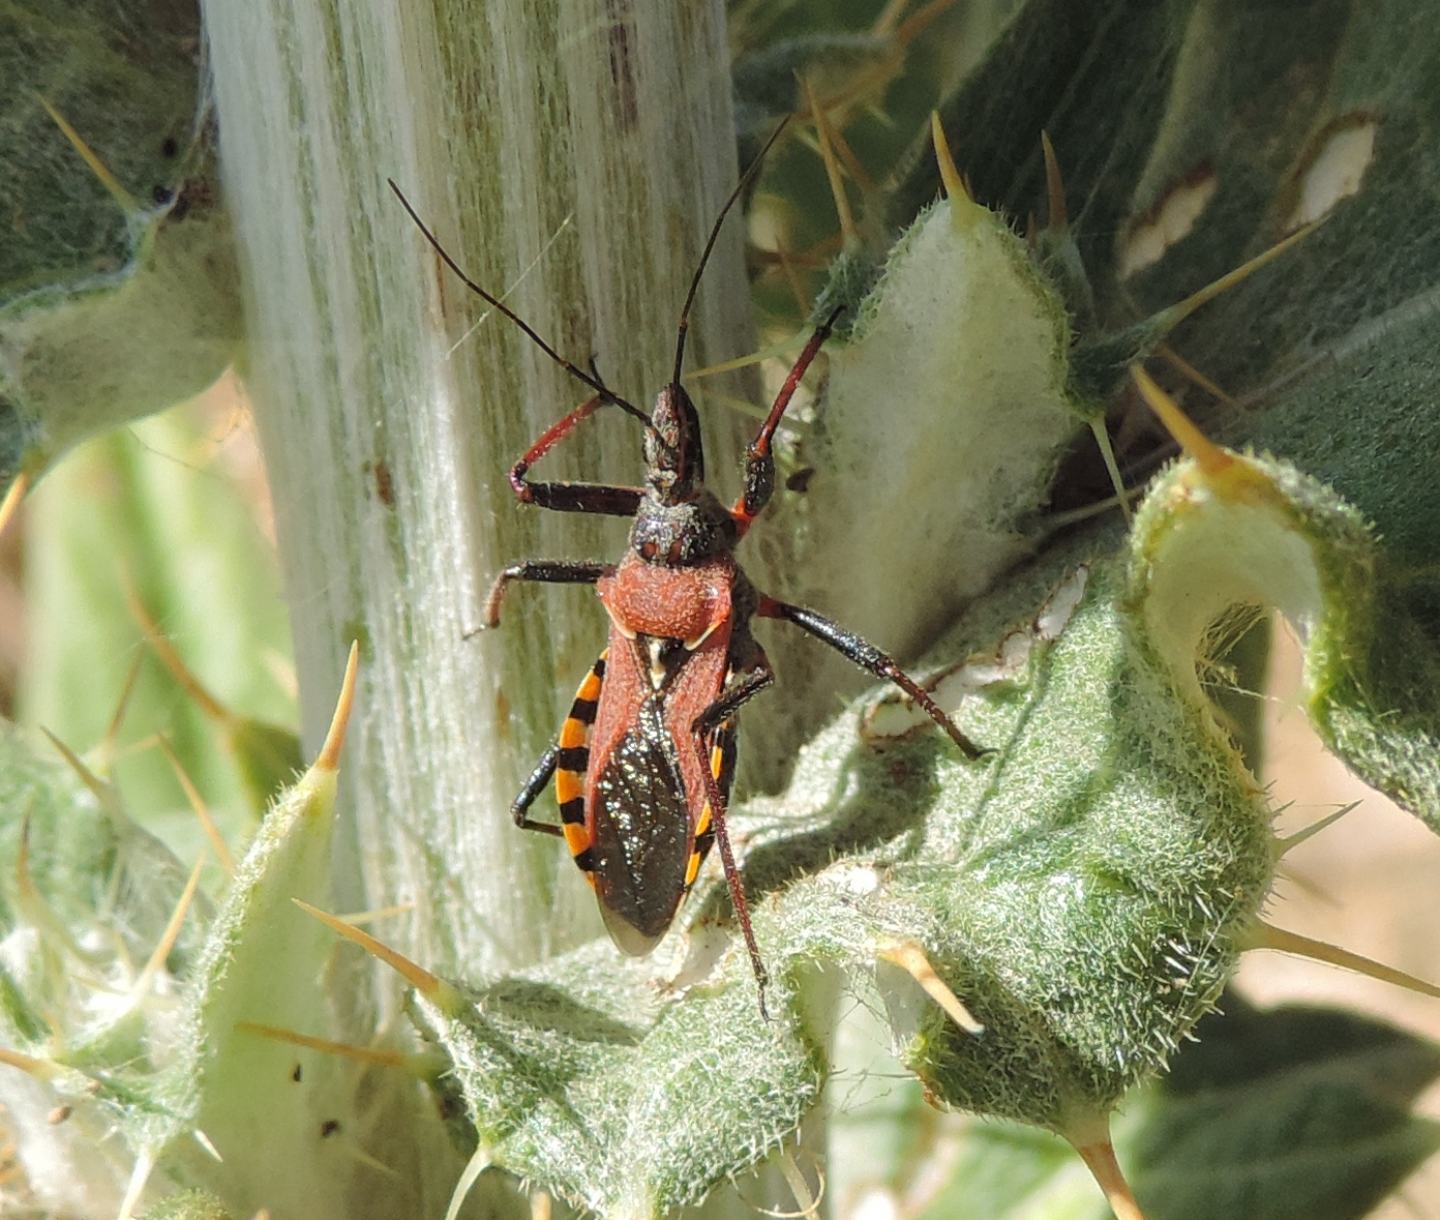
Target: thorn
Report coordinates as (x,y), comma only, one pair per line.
(949,175)
(1212,460)
(1168,319)
(1308,887)
(1098,1153)
(807,1201)
(144,1163)
(1264,936)
(786,347)
(432,987)
(1191,373)
(858,173)
(172,660)
(346,1050)
(476,1165)
(1287,843)
(128,203)
(329,757)
(1056,521)
(814,258)
(832,167)
(739,405)
(918,22)
(282,670)
(108,750)
(1112,467)
(964,211)
(40,1069)
(102,791)
(32,904)
(370,1161)
(167,938)
(207,1144)
(853,94)
(792,281)
(364,917)
(910,957)
(1059,218)
(197,803)
(884,25)
(10,505)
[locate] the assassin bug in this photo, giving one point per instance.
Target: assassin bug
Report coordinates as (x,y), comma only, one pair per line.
(644,761)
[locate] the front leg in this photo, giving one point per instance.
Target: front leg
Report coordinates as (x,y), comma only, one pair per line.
(571,497)
(868,657)
(544,571)
(704,725)
(759,460)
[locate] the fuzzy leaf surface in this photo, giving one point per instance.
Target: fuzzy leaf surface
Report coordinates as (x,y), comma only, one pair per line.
(110,307)
(1277,1115)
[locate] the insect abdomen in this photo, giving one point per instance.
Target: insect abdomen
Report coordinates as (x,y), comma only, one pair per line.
(640,832)
(573,763)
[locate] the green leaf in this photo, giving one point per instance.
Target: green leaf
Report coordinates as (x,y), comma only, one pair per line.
(1295,1112)
(264,962)
(1085,889)
(116,298)
(189,1205)
(86,858)
(1259,97)
(150,508)
(79,920)
(1361,422)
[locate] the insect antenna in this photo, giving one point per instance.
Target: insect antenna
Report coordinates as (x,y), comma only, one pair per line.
(745,179)
(605,393)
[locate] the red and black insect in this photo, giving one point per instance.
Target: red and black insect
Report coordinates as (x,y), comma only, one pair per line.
(643,763)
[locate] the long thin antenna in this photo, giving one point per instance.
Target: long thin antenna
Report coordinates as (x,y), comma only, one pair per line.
(710,245)
(494,302)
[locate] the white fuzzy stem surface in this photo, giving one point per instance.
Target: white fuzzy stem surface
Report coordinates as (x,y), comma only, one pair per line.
(571,156)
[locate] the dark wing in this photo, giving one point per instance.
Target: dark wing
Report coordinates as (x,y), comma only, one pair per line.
(640,832)
(645,789)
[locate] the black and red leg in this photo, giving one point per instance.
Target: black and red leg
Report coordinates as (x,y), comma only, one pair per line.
(571,497)
(542,571)
(864,654)
(759,460)
(745,686)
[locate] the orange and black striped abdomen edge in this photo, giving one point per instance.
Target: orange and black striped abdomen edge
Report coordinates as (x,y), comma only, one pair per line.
(722,767)
(573,762)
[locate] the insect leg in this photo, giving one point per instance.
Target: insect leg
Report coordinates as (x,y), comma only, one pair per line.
(545,571)
(759,461)
(534,786)
(868,657)
(571,497)
(701,729)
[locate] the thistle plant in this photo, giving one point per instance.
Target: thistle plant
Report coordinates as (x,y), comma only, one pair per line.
(347,987)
